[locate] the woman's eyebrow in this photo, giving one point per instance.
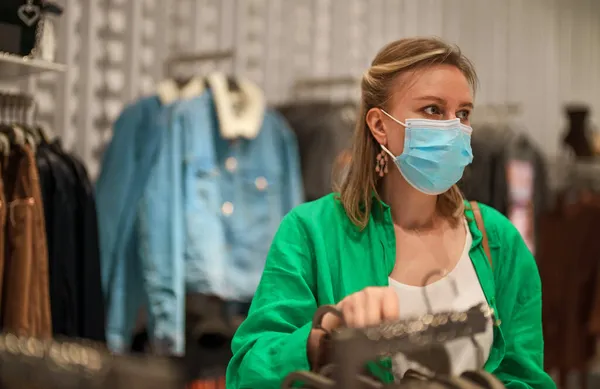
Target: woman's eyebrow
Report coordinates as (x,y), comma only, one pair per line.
(433,98)
(466,104)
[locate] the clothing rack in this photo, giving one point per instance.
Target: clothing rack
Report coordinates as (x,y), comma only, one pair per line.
(325,81)
(303,87)
(184,58)
(18,110)
(20,107)
(497,113)
(51,280)
(566,173)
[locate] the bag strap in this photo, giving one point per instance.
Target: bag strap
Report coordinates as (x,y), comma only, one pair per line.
(481,226)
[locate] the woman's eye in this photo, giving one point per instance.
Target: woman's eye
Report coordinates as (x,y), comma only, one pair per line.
(463,115)
(432,110)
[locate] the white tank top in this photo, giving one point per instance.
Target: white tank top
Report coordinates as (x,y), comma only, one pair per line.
(463,355)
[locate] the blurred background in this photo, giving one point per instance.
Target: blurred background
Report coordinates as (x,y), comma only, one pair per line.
(540,54)
(94,61)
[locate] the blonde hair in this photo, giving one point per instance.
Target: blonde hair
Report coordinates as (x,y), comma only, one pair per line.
(360,180)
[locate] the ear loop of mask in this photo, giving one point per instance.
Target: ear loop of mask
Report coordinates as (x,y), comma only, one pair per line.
(388,151)
(393,118)
(397,121)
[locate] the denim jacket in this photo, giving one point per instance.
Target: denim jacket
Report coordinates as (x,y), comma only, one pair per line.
(208,211)
(126,165)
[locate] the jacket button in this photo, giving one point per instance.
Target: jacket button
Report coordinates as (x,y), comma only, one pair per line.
(261,183)
(231,164)
(227,208)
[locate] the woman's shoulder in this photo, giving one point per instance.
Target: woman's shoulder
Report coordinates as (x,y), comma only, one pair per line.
(499,228)
(511,253)
(325,212)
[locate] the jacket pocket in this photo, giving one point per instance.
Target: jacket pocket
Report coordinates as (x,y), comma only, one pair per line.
(202,194)
(261,206)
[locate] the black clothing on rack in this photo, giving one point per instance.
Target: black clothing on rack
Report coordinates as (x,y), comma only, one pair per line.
(323,130)
(577,137)
(501,157)
(76,298)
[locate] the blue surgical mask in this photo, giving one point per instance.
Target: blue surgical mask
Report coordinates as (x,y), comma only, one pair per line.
(435,154)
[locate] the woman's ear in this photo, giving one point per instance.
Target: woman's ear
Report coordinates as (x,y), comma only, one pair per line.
(376,126)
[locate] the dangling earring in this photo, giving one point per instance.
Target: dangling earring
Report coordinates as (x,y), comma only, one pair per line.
(381,163)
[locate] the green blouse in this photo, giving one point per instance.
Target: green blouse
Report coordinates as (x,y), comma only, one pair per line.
(319,257)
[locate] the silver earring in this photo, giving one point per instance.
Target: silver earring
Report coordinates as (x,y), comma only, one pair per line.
(381,163)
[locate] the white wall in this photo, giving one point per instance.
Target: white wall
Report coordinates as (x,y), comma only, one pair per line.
(541,53)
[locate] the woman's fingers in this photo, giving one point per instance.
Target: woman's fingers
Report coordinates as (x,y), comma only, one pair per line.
(354,312)
(390,305)
(331,321)
(370,307)
(373,306)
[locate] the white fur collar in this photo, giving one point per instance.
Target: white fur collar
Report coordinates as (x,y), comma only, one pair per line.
(240,113)
(168,91)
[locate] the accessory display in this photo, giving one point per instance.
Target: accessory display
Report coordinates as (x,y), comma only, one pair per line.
(349,349)
(79,364)
(346,352)
(435,153)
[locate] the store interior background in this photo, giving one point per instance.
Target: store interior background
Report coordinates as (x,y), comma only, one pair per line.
(540,54)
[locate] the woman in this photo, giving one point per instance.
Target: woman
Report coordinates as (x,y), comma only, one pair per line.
(398,217)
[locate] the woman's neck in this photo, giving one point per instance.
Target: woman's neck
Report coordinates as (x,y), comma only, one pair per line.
(410,208)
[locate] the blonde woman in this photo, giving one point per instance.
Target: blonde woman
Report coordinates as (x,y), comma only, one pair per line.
(397,217)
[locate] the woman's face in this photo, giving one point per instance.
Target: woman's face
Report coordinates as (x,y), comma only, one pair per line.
(439,92)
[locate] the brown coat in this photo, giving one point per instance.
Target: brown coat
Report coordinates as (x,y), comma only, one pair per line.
(25,290)
(568,257)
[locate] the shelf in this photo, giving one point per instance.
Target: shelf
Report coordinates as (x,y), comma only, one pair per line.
(12,66)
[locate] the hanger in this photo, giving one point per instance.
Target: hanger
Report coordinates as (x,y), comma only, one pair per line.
(406,336)
(4,144)
(303,86)
(17,113)
(233,85)
(182,81)
(187,58)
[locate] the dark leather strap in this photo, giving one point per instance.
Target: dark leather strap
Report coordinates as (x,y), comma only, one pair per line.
(481,226)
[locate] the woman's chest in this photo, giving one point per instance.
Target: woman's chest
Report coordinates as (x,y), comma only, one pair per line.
(422,259)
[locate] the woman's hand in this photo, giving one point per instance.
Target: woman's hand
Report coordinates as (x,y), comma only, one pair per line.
(370,306)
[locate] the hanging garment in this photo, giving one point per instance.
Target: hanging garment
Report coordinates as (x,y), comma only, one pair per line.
(520,148)
(26,300)
(127,162)
(3,228)
(126,165)
(568,257)
(75,281)
(324,130)
(578,137)
(493,178)
(203,207)
(479,180)
(523,181)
